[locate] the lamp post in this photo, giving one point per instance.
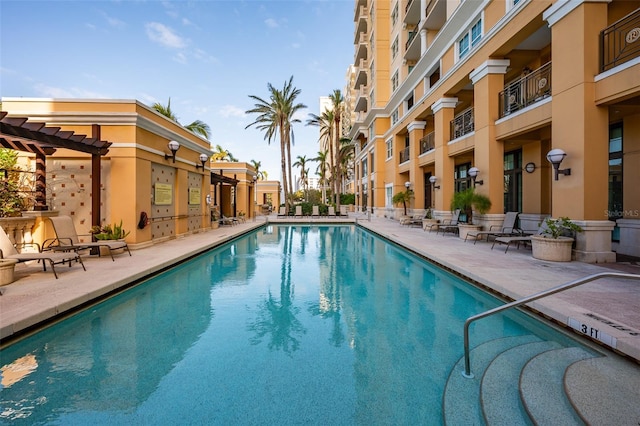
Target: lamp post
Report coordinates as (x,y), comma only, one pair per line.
(255,197)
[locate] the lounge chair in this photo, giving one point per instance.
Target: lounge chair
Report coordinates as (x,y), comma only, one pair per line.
(67,239)
(226,220)
(518,239)
(343,211)
(298,211)
(451,222)
(331,212)
(416,220)
(507,229)
(315,211)
(9,251)
(282,211)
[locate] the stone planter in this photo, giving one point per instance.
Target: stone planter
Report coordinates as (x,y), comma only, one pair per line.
(7,269)
(553,249)
(465,228)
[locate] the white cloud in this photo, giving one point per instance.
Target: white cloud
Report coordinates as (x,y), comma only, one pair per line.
(58,92)
(180,58)
(114,22)
(271,23)
(231,111)
(164,35)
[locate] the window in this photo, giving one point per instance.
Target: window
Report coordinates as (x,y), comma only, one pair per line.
(615,210)
(388,199)
(371,133)
(461,177)
(371,71)
(513,181)
(365,172)
(389,148)
(373,163)
(394,116)
(394,81)
(409,102)
(470,39)
(394,15)
(394,48)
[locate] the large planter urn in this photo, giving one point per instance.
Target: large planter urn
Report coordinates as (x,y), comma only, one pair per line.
(464,228)
(553,249)
(7,268)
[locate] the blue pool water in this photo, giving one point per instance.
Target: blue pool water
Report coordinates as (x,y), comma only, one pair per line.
(286,325)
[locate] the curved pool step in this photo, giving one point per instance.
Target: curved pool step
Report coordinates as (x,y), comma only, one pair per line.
(604,390)
(542,386)
(461,398)
(499,394)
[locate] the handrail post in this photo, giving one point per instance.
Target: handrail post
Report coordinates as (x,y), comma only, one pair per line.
(566,286)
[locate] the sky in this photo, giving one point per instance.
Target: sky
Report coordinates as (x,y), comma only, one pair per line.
(207,56)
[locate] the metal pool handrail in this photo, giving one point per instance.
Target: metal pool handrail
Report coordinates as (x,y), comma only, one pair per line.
(467,362)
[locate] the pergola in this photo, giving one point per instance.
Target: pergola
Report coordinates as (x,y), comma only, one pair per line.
(19,134)
(220,179)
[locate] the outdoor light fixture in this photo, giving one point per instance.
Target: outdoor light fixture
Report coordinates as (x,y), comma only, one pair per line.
(473,172)
(407,185)
(530,167)
(433,180)
(203,159)
(173,146)
(555,157)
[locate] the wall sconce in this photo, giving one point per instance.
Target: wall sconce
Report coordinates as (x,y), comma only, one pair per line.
(203,159)
(530,167)
(433,180)
(555,157)
(473,172)
(407,185)
(173,146)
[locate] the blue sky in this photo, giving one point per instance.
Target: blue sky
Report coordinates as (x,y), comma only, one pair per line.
(207,55)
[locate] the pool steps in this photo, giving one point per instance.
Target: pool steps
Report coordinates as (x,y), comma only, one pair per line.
(518,380)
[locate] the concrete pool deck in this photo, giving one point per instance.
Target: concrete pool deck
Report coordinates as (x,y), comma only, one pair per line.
(609,307)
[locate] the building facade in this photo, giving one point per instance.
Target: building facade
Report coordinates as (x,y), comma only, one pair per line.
(444,86)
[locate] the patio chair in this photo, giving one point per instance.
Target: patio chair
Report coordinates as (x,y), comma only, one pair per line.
(343,211)
(519,239)
(416,220)
(67,239)
(315,211)
(298,211)
(508,228)
(331,212)
(9,251)
(282,211)
(451,222)
(226,220)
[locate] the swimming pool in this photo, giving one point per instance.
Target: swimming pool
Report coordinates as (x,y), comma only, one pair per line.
(285,325)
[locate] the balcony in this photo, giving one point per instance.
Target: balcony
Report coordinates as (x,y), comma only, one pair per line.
(362,73)
(404,155)
(436,14)
(412,46)
(526,91)
(361,24)
(462,124)
(428,142)
(361,48)
(361,99)
(620,42)
(412,12)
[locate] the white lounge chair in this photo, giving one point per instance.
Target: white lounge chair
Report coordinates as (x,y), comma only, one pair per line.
(298,211)
(9,251)
(508,228)
(331,212)
(315,211)
(343,211)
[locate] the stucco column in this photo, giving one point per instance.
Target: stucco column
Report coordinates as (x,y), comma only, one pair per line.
(443,111)
(580,128)
(182,201)
(488,81)
(416,130)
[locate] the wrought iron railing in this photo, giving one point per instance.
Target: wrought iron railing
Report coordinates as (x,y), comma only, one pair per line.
(404,155)
(620,42)
(428,142)
(462,124)
(412,35)
(532,88)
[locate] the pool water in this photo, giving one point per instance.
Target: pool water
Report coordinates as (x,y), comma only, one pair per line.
(322,325)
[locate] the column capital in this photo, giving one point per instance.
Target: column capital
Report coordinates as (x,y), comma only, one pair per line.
(416,125)
(562,8)
(490,66)
(444,103)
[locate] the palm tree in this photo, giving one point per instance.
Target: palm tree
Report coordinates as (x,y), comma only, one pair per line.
(345,158)
(276,117)
(325,123)
(221,154)
(260,174)
(198,127)
(337,101)
(321,171)
(302,163)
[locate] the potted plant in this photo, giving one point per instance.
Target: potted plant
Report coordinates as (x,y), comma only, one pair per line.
(468,201)
(109,232)
(429,220)
(403,197)
(556,241)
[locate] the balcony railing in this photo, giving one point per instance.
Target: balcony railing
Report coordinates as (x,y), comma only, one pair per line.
(412,35)
(404,155)
(462,124)
(620,42)
(428,142)
(526,91)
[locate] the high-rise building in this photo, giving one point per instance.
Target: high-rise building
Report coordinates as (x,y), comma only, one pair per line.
(449,89)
